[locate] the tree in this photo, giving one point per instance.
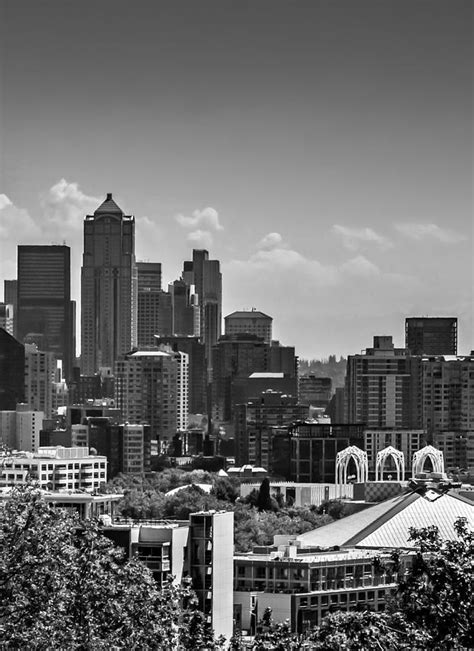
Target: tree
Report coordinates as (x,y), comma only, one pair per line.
(436,592)
(264,499)
(64,585)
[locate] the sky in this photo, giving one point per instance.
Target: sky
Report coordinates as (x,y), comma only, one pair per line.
(322,151)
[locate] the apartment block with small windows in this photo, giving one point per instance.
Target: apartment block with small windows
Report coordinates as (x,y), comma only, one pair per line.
(56,469)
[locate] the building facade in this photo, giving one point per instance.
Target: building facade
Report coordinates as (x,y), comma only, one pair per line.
(45,312)
(109,287)
(431,335)
(40,375)
(250,322)
(12,371)
(55,468)
(146,391)
(383,387)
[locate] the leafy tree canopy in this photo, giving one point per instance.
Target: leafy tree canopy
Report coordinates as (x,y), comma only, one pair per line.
(64,585)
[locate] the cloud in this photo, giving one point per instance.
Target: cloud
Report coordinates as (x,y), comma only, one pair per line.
(65,205)
(416,231)
(200,239)
(4,201)
(354,238)
(201,220)
(270,241)
(360,266)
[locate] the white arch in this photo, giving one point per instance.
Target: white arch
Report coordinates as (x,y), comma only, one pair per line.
(428,452)
(361,463)
(397,456)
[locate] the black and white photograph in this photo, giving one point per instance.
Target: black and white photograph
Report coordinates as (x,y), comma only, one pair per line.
(237,325)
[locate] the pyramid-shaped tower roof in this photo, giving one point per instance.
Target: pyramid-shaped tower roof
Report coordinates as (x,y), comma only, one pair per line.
(108,207)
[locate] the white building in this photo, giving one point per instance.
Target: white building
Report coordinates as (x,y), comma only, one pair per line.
(182,389)
(28,426)
(55,468)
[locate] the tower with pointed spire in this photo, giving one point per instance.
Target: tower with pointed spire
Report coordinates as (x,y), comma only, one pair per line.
(108,287)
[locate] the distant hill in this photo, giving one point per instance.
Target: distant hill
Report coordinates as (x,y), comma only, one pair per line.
(331,367)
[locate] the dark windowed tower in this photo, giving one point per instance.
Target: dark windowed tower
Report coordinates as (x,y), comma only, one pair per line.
(44,307)
(431,335)
(12,372)
(109,287)
(206,277)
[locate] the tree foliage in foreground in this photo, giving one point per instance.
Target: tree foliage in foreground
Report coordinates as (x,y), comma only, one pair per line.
(64,585)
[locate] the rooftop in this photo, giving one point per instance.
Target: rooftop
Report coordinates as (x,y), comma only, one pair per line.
(245,314)
(387,524)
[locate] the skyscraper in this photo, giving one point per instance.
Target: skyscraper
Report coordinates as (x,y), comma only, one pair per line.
(431,335)
(44,306)
(109,287)
(12,371)
(154,305)
(206,277)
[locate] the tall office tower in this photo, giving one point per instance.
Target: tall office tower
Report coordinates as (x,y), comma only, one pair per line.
(383,387)
(40,375)
(109,287)
(12,371)
(10,289)
(254,422)
(206,277)
(6,317)
(431,335)
(145,391)
(250,322)
(185,309)
(154,305)
(197,369)
(44,300)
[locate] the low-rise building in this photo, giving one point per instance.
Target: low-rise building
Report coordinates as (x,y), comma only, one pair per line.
(55,468)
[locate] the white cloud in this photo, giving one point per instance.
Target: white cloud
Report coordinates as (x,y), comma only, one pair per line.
(270,241)
(360,266)
(201,220)
(200,239)
(354,238)
(416,231)
(4,201)
(64,205)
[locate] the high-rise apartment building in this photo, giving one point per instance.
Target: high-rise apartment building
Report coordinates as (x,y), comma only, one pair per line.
(109,287)
(448,394)
(383,387)
(206,277)
(146,391)
(431,335)
(251,322)
(12,371)
(44,309)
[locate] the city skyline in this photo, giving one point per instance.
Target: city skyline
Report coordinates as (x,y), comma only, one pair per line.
(323,154)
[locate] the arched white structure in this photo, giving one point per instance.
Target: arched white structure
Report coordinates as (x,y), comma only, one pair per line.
(342,463)
(397,456)
(428,452)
